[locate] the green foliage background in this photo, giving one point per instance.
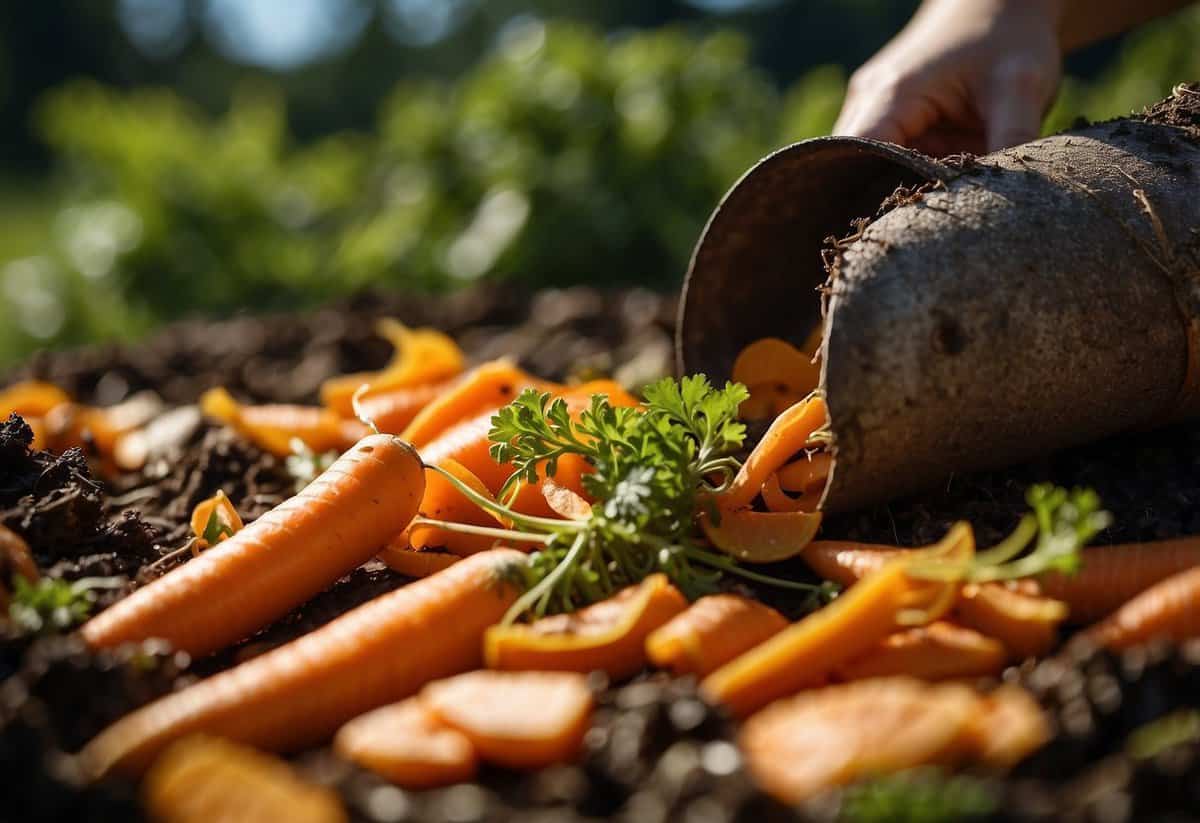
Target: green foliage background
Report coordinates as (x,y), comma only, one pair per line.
(563,155)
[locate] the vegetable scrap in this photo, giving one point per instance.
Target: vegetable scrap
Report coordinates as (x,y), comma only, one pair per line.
(199,780)
(408,745)
(711,632)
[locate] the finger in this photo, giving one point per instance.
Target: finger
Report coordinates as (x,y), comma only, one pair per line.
(883,114)
(940,142)
(1013,110)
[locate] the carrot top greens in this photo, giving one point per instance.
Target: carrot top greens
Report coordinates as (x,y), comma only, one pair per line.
(653,467)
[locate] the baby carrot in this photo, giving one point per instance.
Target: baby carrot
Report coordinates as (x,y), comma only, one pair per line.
(478,392)
(406,744)
(787,435)
(300,693)
(522,720)
(201,780)
(713,631)
(1113,575)
(1168,609)
(279,561)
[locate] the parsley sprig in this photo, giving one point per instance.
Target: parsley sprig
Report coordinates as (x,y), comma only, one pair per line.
(652,467)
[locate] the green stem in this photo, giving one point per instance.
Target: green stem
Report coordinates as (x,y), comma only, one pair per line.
(527,520)
(1011,546)
(484,531)
(546,584)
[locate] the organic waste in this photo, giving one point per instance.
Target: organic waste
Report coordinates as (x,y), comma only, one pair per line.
(571,538)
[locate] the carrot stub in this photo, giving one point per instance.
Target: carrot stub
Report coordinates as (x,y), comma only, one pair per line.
(201,779)
(609,636)
(522,720)
(300,693)
(279,561)
(714,630)
(805,654)
(406,744)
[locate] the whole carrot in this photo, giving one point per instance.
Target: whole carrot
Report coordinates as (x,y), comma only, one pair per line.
(1169,609)
(300,693)
(279,561)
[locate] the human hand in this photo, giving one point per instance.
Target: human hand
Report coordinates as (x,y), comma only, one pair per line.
(963,76)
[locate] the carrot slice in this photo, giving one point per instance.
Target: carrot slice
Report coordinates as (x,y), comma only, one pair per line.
(480,391)
(713,631)
(807,474)
(771,360)
(391,411)
(762,537)
(1112,575)
(280,560)
(799,747)
(609,636)
(200,779)
(442,501)
(807,652)
(403,559)
(226,524)
(522,720)
(1169,609)
(788,434)
(298,694)
(273,427)
(939,651)
(31,398)
(406,744)
(422,356)
(1027,624)
(1009,727)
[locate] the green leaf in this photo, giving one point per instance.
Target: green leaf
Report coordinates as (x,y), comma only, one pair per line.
(214,529)
(50,606)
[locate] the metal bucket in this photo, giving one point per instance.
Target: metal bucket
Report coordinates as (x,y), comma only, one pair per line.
(1018,303)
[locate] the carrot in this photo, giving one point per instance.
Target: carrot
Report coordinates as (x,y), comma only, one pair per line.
(73,424)
(762,537)
(713,631)
(768,400)
(391,411)
(134,448)
(281,560)
(199,780)
(815,741)
(218,516)
(405,560)
(1015,613)
(807,652)
(442,501)
(1113,575)
(422,356)
(939,651)
(1169,609)
(807,474)
(478,392)
(522,720)
(273,427)
(608,636)
(41,437)
(298,694)
(1027,624)
(31,398)
(1009,727)
(406,744)
(788,434)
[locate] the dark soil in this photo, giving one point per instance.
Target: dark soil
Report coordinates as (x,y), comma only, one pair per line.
(657,752)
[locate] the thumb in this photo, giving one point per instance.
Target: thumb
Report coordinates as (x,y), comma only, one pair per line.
(1013,110)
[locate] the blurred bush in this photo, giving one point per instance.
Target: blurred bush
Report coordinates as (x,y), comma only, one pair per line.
(564,156)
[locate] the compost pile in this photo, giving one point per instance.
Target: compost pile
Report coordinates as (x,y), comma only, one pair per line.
(656,750)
